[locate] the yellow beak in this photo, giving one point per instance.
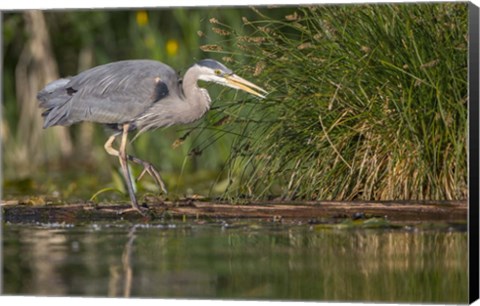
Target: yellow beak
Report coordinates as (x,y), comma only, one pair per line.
(237,82)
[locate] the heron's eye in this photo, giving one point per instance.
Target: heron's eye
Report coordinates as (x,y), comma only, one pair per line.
(218,72)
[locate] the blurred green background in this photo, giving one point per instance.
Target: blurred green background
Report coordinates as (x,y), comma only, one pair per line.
(40,46)
(366,102)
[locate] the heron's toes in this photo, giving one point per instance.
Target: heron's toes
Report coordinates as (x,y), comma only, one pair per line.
(144,211)
(150,169)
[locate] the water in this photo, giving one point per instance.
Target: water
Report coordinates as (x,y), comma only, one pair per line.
(236,260)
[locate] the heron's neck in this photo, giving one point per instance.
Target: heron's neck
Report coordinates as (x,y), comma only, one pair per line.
(179,108)
(197,98)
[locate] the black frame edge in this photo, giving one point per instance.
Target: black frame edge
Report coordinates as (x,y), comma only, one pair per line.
(473,141)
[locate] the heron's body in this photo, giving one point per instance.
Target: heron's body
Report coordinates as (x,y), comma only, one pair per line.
(135,95)
(145,93)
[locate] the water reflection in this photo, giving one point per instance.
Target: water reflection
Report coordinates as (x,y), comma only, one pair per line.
(125,273)
(239,261)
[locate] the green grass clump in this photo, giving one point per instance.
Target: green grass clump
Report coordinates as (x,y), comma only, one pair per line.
(366,102)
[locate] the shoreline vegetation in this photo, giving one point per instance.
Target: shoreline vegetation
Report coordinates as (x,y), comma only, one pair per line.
(366,103)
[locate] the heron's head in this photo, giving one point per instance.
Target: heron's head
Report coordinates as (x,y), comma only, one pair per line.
(213,71)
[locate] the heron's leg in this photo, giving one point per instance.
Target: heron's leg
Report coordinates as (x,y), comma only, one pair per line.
(108,146)
(122,156)
(110,150)
(147,167)
(150,169)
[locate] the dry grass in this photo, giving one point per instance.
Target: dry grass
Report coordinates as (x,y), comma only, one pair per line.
(367,102)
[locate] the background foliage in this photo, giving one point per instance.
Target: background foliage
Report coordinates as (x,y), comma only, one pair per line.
(366,101)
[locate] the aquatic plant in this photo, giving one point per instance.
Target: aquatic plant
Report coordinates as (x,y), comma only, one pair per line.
(367,102)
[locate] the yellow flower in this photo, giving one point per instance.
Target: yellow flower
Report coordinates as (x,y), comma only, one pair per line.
(142,18)
(172,47)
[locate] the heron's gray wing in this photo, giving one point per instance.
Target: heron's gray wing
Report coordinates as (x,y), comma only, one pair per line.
(113,93)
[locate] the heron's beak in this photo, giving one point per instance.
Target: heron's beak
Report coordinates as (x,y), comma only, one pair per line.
(237,82)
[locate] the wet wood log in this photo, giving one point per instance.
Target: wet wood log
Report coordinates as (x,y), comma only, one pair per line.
(412,211)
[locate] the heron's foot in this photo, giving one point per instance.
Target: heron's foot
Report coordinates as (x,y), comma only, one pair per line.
(152,171)
(142,210)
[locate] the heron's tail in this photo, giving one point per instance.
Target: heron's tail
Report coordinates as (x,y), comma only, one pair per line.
(53,99)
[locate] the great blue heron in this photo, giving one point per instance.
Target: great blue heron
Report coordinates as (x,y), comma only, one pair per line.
(135,95)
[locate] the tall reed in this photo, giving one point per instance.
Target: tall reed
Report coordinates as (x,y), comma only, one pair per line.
(367,102)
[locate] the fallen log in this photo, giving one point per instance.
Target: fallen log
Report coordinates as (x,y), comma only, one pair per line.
(411,211)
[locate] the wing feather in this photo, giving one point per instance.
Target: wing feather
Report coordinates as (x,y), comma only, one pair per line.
(117,92)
